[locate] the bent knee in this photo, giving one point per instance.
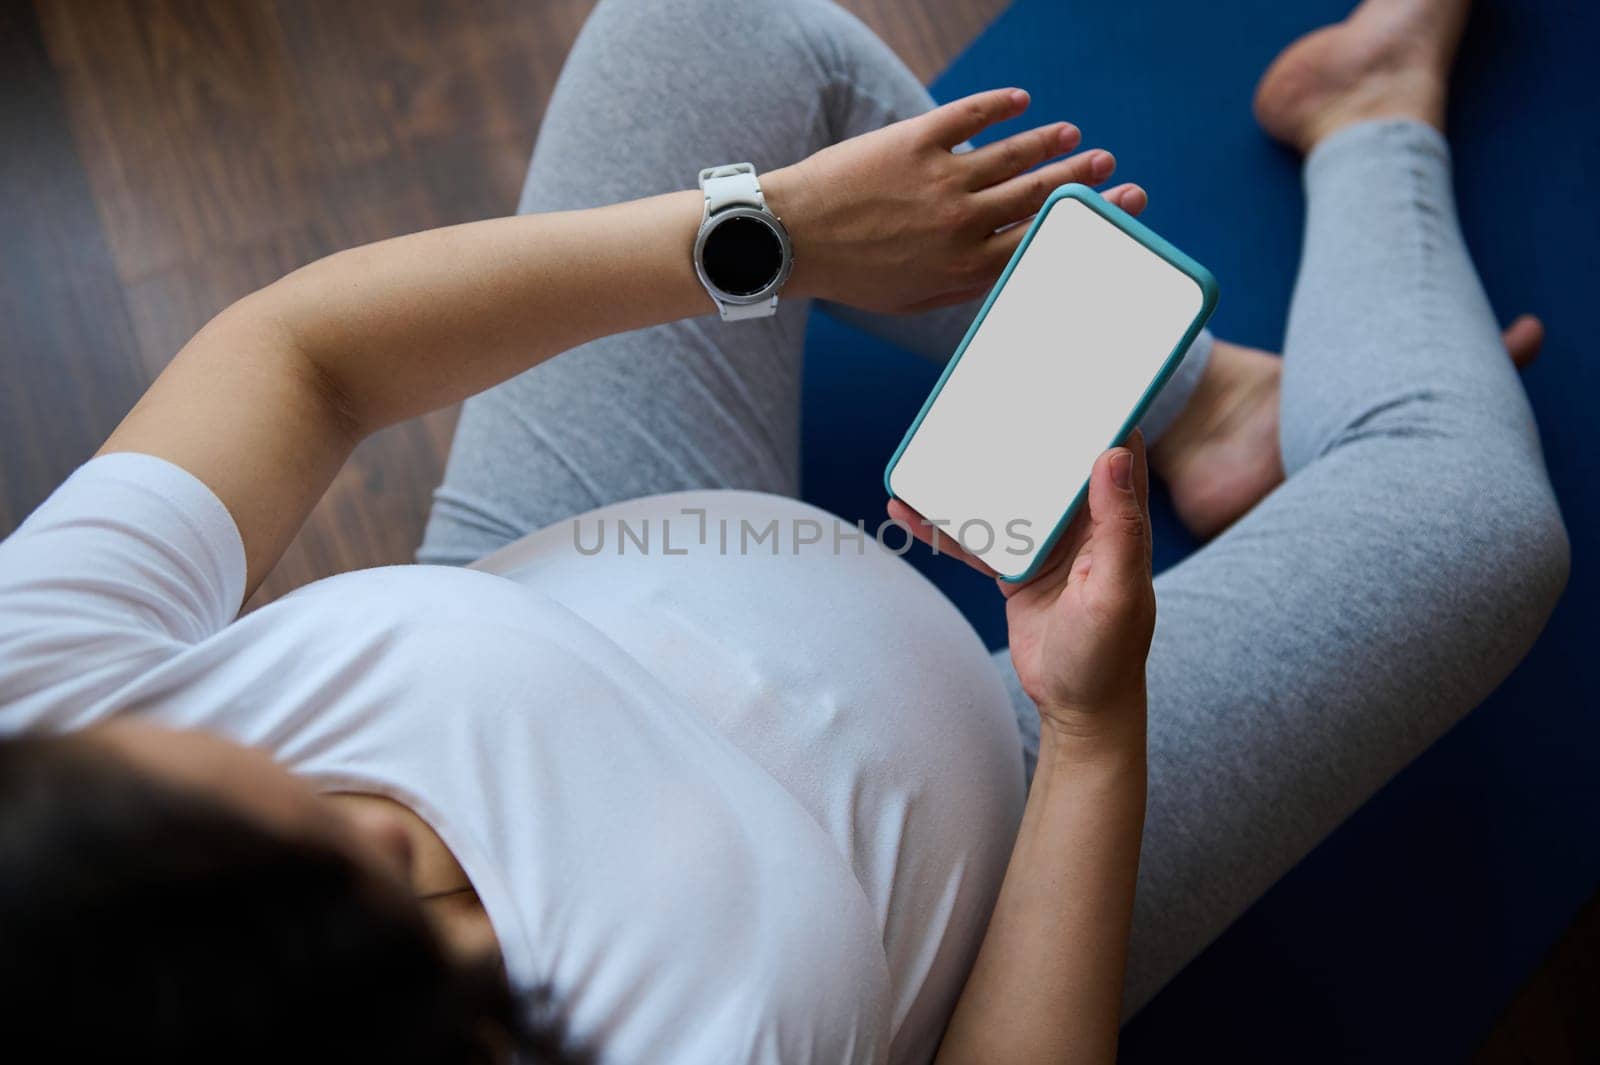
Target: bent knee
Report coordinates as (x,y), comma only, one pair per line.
(1499,537)
(1544,556)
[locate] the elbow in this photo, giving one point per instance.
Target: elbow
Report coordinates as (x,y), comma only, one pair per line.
(265,326)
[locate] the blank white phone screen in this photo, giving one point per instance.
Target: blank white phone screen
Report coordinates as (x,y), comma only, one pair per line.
(1068,349)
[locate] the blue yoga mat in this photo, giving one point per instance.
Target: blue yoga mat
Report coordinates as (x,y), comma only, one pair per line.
(1404,935)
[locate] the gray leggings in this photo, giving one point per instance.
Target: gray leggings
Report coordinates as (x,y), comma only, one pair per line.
(1302,658)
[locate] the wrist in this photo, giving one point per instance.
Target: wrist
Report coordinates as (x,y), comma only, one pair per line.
(786,193)
(1108,735)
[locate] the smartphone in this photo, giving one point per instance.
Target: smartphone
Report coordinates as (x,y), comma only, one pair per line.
(1089,319)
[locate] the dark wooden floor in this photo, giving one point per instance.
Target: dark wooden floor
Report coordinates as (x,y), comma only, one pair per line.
(161,158)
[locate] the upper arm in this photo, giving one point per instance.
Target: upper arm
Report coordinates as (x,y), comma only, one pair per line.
(126,565)
(244,411)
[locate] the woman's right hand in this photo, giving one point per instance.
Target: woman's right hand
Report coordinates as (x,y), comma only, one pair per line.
(1080,631)
(895,221)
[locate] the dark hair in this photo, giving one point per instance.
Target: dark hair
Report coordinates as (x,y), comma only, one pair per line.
(141,922)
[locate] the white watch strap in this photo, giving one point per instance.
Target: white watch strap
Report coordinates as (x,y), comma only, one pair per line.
(738,312)
(733,185)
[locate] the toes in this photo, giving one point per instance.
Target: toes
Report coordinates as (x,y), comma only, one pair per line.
(1523,339)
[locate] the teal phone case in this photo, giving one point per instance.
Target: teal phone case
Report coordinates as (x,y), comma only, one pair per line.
(1150,239)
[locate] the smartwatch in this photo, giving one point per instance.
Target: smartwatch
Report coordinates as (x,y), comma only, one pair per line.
(742,252)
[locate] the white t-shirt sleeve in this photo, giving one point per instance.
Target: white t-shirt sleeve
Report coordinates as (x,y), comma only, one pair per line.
(128,563)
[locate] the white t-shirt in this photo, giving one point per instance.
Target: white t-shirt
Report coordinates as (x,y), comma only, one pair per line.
(731,805)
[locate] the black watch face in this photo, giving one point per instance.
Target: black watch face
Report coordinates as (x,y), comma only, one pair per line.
(742,255)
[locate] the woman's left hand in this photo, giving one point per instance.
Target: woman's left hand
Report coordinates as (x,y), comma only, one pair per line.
(895,221)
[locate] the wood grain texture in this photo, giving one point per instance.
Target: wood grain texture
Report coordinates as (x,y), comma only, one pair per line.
(69,366)
(215,145)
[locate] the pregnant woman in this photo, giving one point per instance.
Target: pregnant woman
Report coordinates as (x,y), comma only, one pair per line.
(715,802)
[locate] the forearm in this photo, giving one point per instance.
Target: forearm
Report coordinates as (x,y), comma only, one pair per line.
(1047,986)
(407,325)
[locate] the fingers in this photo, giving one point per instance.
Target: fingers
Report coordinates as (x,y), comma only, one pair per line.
(1005,159)
(1111,536)
(1023,195)
(940,540)
(1523,339)
(964,119)
(1002,245)
(1130,197)
(1119,516)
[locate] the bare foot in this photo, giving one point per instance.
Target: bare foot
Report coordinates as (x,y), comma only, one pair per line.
(1388,59)
(1220,456)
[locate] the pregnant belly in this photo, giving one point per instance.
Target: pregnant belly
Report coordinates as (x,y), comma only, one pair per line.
(797,639)
(838,670)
